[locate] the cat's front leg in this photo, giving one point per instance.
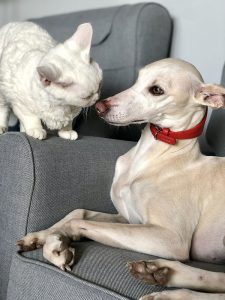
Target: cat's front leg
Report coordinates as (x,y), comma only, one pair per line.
(68,133)
(30,123)
(4,117)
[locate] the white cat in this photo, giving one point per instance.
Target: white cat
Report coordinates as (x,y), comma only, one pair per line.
(45,82)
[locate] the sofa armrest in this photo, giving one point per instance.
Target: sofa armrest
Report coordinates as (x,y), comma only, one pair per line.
(42,181)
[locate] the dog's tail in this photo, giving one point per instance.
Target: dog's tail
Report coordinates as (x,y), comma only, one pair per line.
(176,274)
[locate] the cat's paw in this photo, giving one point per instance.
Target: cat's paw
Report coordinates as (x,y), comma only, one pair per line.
(37,133)
(3,130)
(68,134)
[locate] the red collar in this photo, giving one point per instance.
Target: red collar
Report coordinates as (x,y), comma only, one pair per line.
(170,137)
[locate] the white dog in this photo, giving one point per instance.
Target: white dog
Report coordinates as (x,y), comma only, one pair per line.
(170,198)
(42,81)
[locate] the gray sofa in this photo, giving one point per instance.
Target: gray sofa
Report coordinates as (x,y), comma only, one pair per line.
(40,182)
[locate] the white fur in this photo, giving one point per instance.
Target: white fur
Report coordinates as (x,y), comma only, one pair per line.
(45,82)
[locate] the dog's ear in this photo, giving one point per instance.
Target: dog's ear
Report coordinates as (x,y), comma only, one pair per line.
(48,74)
(82,39)
(211,95)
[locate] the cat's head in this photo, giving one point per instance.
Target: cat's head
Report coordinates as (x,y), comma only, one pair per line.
(69,74)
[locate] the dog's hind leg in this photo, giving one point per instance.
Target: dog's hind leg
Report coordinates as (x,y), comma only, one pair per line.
(176,274)
(182,295)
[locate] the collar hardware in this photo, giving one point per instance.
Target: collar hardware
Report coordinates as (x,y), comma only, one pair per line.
(170,137)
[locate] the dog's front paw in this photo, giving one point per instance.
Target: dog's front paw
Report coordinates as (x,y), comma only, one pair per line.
(56,250)
(3,130)
(37,133)
(68,134)
(32,241)
(151,272)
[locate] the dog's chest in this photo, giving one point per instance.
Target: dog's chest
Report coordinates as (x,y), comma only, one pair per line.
(123,191)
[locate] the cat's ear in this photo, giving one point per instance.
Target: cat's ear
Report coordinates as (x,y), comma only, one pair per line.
(48,74)
(82,39)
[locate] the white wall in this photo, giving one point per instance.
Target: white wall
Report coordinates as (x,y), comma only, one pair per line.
(199,31)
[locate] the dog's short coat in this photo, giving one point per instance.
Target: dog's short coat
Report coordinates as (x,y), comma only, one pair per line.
(170,198)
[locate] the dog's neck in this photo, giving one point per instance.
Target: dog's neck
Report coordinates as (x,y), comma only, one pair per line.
(154,149)
(181,121)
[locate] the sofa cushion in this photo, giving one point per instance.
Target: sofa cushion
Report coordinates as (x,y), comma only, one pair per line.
(99,271)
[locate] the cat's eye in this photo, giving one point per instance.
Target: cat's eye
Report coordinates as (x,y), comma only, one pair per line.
(156,90)
(64,84)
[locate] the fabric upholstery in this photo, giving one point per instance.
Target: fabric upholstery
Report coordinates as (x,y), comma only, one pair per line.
(215,132)
(145,37)
(33,280)
(41,182)
(72,174)
(98,269)
(102,266)
(16,187)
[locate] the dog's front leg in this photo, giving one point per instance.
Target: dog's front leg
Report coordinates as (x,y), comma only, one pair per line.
(137,237)
(147,239)
(35,240)
(56,240)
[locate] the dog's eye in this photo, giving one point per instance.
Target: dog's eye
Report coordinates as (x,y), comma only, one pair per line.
(156,90)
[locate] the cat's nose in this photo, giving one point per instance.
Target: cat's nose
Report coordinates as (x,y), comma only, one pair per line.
(102,106)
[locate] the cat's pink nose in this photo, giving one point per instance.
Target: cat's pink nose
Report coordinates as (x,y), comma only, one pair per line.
(102,106)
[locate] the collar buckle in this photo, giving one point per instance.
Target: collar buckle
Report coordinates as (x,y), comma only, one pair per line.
(157,131)
(170,137)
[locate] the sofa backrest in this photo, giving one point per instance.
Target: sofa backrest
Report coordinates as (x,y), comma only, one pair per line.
(125,39)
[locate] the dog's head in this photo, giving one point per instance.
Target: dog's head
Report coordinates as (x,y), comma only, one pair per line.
(165,91)
(69,74)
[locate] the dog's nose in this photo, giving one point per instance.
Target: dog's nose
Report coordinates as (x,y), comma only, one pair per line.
(102,106)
